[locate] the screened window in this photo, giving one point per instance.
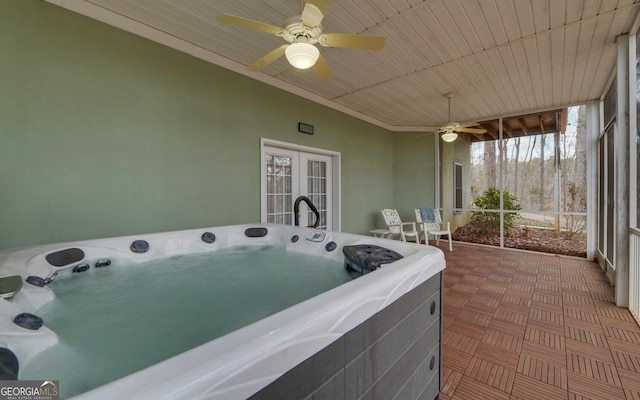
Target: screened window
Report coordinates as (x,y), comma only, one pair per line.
(457,187)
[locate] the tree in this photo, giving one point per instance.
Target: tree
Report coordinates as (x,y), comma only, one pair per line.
(541,197)
(574,174)
(490,164)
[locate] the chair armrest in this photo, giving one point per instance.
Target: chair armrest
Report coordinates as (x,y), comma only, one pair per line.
(413,225)
(394,227)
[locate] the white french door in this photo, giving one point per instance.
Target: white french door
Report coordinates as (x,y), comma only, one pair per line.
(315,183)
(288,173)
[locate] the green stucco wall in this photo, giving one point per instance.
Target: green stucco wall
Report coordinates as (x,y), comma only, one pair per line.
(413,173)
(103,133)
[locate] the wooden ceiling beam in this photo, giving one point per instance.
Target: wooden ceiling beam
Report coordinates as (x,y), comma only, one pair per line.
(523,127)
(507,130)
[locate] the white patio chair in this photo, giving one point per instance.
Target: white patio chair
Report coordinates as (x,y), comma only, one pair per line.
(396,226)
(430,223)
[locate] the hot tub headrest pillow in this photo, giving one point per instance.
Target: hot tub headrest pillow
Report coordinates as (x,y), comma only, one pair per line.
(369,256)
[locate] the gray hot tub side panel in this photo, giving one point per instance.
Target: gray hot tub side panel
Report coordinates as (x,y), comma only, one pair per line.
(394,354)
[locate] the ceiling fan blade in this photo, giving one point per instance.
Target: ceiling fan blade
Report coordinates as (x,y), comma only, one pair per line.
(353,41)
(321,69)
(425,134)
(268,58)
(471,130)
(468,124)
(314,11)
(248,23)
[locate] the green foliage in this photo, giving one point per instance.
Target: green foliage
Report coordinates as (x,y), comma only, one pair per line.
(490,200)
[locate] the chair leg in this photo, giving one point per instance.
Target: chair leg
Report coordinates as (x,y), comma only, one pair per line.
(450,246)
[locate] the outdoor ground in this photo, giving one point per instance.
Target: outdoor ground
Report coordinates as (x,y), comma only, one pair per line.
(527,238)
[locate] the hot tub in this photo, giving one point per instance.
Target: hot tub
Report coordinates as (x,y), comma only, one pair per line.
(378,334)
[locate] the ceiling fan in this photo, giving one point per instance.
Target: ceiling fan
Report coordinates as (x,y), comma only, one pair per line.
(301,33)
(451,129)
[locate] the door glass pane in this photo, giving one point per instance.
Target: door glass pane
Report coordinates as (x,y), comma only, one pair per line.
(279,178)
(636,177)
(610,194)
(316,186)
(601,195)
(609,103)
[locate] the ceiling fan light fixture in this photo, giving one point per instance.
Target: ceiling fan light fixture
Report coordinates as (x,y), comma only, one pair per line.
(302,55)
(449,136)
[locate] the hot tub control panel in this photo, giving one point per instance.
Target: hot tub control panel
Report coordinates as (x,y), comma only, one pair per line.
(316,237)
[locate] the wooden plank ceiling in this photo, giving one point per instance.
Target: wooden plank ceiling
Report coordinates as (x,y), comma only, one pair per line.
(500,57)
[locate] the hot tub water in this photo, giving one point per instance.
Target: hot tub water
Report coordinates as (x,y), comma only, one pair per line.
(116,320)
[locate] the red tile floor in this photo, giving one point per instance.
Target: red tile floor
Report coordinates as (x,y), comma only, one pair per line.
(521,325)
